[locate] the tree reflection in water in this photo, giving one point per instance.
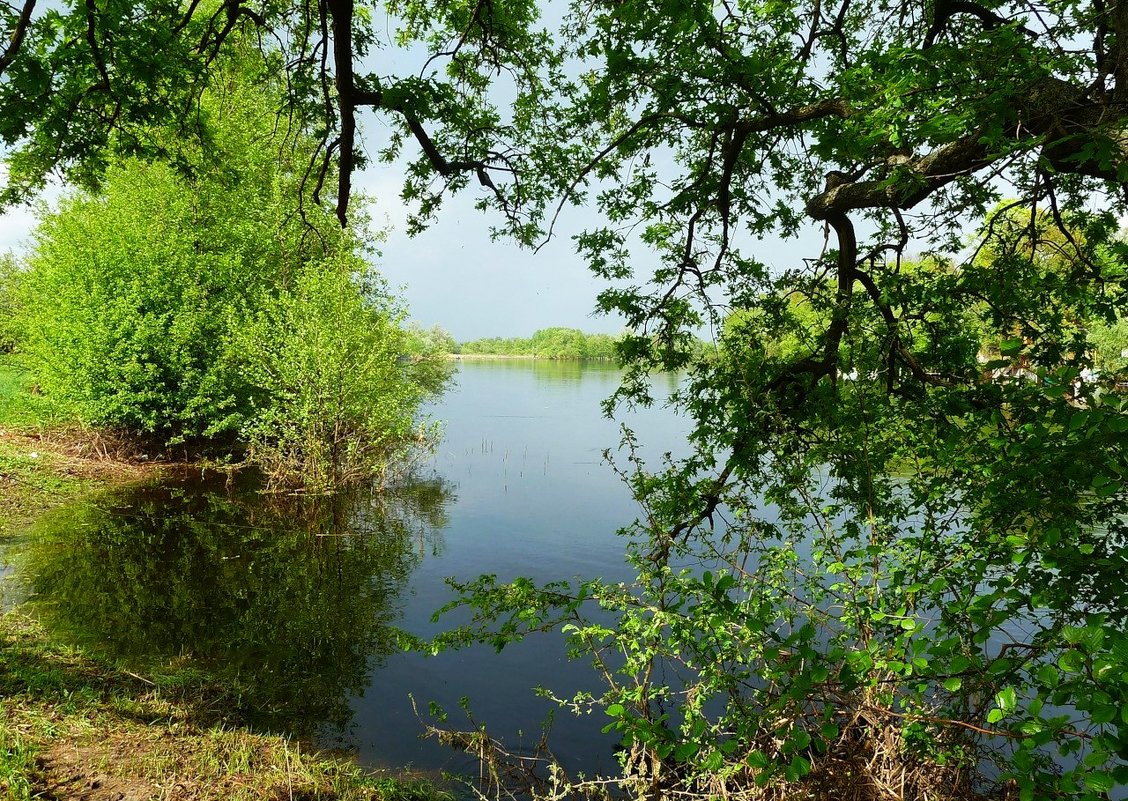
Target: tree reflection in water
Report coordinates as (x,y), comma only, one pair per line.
(289,600)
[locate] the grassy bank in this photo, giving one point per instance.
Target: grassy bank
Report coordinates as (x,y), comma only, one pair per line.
(74,725)
(47,459)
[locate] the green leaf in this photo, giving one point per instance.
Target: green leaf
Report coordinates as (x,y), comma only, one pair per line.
(1099,781)
(758,760)
(1006,699)
(1011,347)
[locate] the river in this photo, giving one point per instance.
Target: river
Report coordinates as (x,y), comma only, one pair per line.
(297,602)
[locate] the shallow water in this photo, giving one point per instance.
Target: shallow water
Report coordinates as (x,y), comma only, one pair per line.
(296,602)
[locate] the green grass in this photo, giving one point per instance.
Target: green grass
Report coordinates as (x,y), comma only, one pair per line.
(33,479)
(69,719)
(22,408)
(46,457)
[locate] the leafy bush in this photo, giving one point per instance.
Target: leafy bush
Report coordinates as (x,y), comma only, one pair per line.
(195,307)
(9,278)
(127,303)
(340,396)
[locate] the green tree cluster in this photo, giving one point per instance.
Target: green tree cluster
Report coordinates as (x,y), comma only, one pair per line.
(547,343)
(201,310)
(895,553)
(914,575)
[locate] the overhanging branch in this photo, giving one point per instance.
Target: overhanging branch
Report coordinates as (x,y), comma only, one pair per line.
(15,41)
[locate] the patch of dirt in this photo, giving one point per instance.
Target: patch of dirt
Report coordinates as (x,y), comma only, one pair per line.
(90,773)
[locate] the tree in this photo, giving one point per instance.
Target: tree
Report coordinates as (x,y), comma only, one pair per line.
(87,79)
(918,514)
(202,310)
(900,570)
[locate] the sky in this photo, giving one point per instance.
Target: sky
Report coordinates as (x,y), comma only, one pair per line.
(453,275)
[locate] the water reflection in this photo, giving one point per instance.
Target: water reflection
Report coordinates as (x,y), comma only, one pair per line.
(291,600)
(294,600)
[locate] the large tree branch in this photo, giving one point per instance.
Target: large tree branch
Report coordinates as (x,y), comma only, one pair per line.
(1051,112)
(15,41)
(918,178)
(846,269)
(1118,25)
(95,49)
(341,14)
(439,163)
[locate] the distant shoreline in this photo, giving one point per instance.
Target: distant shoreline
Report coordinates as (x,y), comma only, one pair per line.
(524,356)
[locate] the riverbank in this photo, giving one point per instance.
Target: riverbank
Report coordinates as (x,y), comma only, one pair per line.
(75,725)
(42,469)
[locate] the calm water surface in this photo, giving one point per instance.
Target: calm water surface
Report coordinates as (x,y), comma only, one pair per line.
(522,451)
(296,601)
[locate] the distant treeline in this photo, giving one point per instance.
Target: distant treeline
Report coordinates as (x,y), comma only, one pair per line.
(547,343)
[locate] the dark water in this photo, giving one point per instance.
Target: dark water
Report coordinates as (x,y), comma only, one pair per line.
(296,602)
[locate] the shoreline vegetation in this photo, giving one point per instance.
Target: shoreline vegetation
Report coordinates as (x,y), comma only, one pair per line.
(555,343)
(77,725)
(549,344)
(529,357)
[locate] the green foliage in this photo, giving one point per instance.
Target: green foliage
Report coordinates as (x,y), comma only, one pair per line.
(897,543)
(1110,346)
(128,311)
(435,339)
(548,343)
(338,401)
(203,310)
(9,277)
(430,351)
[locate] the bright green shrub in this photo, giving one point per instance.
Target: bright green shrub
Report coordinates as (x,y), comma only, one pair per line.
(340,395)
(126,309)
(193,305)
(9,278)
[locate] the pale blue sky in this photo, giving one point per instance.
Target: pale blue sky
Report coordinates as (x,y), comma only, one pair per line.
(452,274)
(455,276)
